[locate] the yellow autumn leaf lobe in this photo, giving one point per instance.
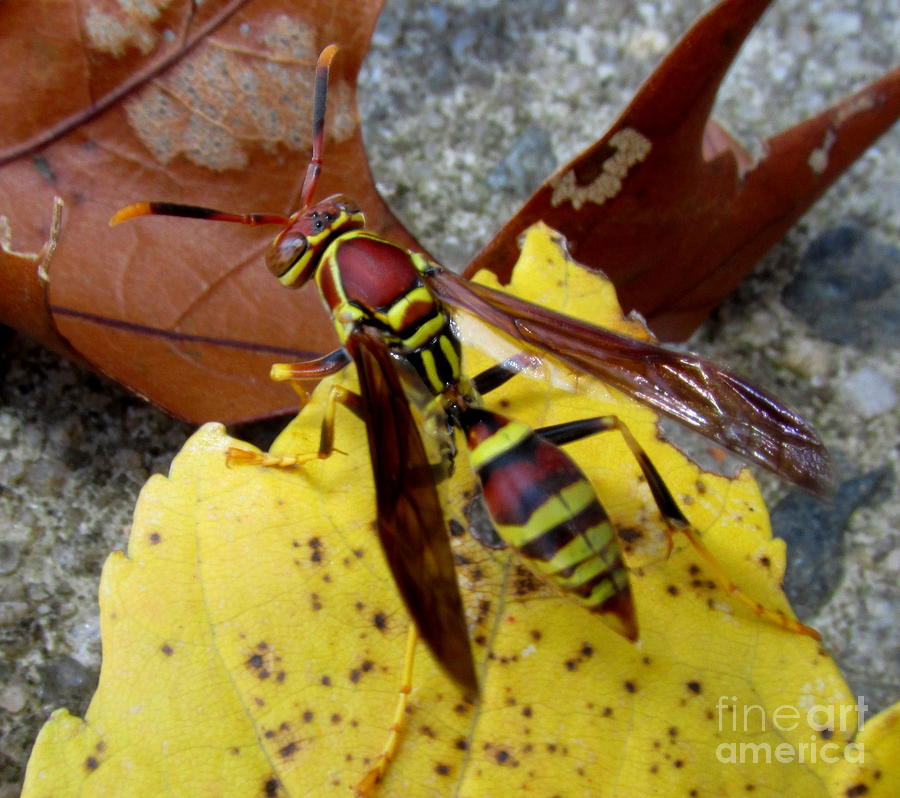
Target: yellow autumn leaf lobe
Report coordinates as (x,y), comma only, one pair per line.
(253,638)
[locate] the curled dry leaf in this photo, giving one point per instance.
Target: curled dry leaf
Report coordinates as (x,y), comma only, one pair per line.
(253,639)
(669,205)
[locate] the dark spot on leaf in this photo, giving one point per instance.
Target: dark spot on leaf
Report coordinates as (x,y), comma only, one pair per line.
(287,751)
(91,763)
(672,590)
(607,712)
(678,763)
(167,650)
(587,650)
(155,538)
(380,621)
(441,769)
(270,788)
(308,716)
(314,601)
(673,731)
(856,790)
(630,686)
(427,731)
(325,681)
(694,687)
(461,744)
(827,734)
(336,718)
(456,529)
(536,634)
(527,712)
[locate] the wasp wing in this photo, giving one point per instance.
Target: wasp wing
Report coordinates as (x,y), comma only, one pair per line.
(694,391)
(411,523)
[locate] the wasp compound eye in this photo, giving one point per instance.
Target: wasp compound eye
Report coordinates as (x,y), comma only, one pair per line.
(284,253)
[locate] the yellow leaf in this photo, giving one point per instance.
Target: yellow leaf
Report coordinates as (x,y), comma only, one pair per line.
(253,639)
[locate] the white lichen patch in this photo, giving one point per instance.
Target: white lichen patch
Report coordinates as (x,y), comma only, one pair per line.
(232,94)
(130,26)
(630,148)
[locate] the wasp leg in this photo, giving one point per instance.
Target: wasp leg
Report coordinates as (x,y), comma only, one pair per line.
(560,434)
(296,373)
(495,376)
(337,395)
(370,781)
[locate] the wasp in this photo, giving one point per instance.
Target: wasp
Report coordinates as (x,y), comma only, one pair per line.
(393,311)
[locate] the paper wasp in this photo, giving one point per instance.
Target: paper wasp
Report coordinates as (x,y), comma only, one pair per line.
(392,310)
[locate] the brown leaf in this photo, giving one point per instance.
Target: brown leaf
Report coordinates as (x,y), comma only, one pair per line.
(207,105)
(669,205)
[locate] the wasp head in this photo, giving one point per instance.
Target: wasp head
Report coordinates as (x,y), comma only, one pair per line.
(295,254)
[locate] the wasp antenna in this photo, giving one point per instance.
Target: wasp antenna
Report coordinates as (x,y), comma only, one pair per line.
(129,212)
(195,212)
(320,96)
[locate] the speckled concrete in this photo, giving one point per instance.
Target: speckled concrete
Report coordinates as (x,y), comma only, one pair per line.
(453,94)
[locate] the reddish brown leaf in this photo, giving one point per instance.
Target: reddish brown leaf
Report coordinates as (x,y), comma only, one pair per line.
(217,112)
(668,205)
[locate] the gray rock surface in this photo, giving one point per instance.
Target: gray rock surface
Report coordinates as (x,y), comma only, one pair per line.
(466,105)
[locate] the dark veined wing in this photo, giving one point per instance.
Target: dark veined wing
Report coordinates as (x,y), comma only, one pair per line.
(696,392)
(411,523)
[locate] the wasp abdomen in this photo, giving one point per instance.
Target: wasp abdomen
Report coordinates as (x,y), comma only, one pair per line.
(544,506)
